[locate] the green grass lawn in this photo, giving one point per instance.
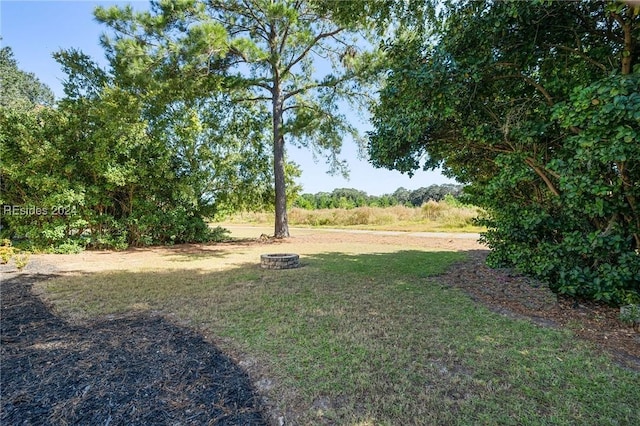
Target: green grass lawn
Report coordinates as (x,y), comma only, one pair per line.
(366,335)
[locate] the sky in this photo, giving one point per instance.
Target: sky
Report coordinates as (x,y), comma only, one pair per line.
(36,29)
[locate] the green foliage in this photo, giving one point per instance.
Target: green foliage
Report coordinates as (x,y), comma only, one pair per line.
(71,246)
(110,167)
(452,201)
(630,314)
(21,260)
(544,129)
(260,53)
(8,252)
(19,89)
(348,198)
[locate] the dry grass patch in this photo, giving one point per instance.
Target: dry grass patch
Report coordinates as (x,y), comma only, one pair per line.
(432,216)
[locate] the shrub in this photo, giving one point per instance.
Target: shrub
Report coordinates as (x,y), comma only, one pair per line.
(433,210)
(8,252)
(583,238)
(630,314)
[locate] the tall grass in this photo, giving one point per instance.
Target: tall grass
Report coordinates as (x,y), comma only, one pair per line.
(431,216)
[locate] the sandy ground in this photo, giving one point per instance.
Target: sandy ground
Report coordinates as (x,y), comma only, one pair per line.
(302,241)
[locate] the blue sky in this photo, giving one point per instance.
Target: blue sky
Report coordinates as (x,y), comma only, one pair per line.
(36,29)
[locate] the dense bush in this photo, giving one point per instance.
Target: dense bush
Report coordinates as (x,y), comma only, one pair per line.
(584,242)
(543,129)
(109,168)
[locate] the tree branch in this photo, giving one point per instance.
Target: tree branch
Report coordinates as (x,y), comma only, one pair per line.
(257,83)
(259,23)
(582,55)
(254,99)
(540,88)
(329,84)
(304,53)
(540,172)
(297,106)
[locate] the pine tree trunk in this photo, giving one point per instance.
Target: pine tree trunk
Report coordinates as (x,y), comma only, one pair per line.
(282,223)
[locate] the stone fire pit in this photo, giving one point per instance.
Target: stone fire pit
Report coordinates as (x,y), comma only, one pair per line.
(279,261)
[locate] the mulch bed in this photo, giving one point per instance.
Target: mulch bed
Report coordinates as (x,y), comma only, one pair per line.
(512,294)
(126,370)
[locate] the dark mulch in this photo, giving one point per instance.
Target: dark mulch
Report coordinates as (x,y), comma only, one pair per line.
(512,294)
(127,370)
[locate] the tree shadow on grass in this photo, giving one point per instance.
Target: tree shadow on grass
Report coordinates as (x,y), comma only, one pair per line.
(132,369)
(194,252)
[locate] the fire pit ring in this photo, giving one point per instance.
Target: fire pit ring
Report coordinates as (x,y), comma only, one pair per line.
(279,261)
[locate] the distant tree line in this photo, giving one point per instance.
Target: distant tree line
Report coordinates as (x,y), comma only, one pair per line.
(348,198)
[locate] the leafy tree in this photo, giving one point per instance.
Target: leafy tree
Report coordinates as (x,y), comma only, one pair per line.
(202,157)
(535,105)
(324,200)
(127,170)
(306,201)
(257,51)
(20,89)
(419,196)
(352,197)
(385,200)
(403,196)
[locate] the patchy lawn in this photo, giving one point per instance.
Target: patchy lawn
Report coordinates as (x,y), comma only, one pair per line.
(372,329)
